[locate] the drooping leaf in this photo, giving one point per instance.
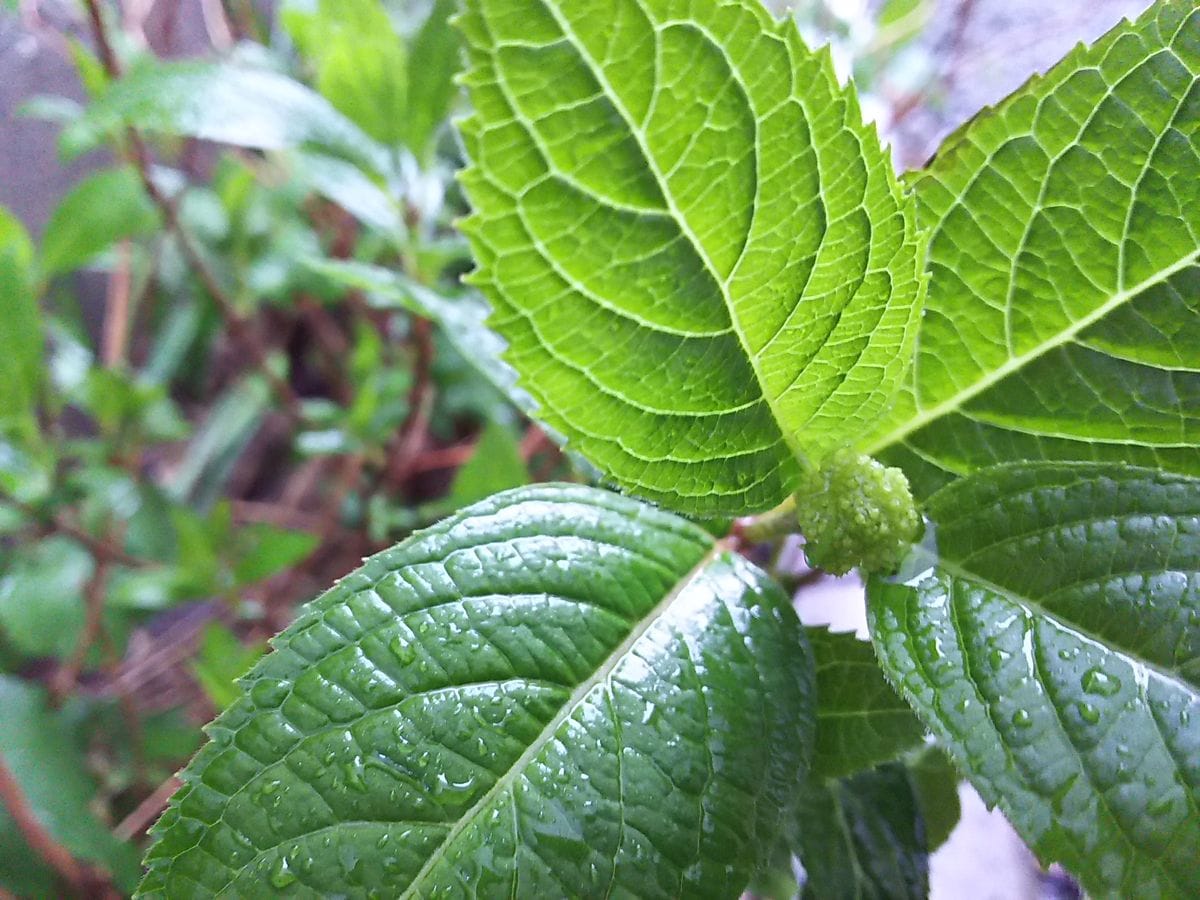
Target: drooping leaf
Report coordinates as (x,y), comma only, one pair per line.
(1053,645)
(697,253)
(861,721)
(20,331)
(1063,318)
(224,102)
(99,211)
(863,837)
(41,751)
(557,689)
(349,187)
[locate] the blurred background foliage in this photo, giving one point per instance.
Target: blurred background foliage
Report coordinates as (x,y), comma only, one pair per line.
(235,358)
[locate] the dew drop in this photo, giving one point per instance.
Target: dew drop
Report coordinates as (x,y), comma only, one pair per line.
(1088,713)
(282,875)
(1097,681)
(1022,719)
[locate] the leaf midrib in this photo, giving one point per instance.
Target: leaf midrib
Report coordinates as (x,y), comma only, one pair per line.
(1015,363)
(786,435)
(600,675)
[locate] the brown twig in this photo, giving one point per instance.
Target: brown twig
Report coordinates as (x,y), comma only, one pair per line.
(144,814)
(93,602)
(84,880)
(114,341)
(96,546)
(139,155)
(408,441)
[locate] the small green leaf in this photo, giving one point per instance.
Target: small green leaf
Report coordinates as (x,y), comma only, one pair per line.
(99,211)
(556,690)
(220,660)
(1063,317)
(495,466)
(40,749)
(860,719)
(697,252)
(1053,645)
(433,60)
(264,550)
(863,837)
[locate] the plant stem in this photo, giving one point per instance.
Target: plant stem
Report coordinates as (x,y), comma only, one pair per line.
(769,525)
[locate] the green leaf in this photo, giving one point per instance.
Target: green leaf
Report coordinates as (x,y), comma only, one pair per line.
(220,660)
(227,103)
(433,61)
(20,331)
(496,465)
(40,749)
(698,254)
(863,837)
(860,719)
(350,188)
(1053,645)
(99,211)
(935,781)
(557,690)
(1063,318)
(41,597)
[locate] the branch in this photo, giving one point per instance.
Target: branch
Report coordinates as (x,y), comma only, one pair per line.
(139,155)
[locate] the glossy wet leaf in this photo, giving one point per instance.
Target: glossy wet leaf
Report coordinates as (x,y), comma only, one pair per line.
(861,720)
(1063,318)
(696,251)
(555,691)
(863,837)
(1054,646)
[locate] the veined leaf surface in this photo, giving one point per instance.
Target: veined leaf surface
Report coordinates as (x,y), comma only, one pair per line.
(697,253)
(556,691)
(1054,646)
(861,721)
(1063,317)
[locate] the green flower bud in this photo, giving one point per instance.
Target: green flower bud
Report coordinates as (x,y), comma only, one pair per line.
(856,512)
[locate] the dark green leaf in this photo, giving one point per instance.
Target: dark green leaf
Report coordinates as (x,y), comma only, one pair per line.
(863,837)
(1053,645)
(556,691)
(861,721)
(935,781)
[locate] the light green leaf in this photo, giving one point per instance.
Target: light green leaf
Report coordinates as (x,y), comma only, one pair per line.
(40,749)
(496,465)
(470,713)
(433,60)
(1063,319)
(863,837)
(227,103)
(697,252)
(20,330)
(349,187)
(220,660)
(860,719)
(99,211)
(1054,647)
